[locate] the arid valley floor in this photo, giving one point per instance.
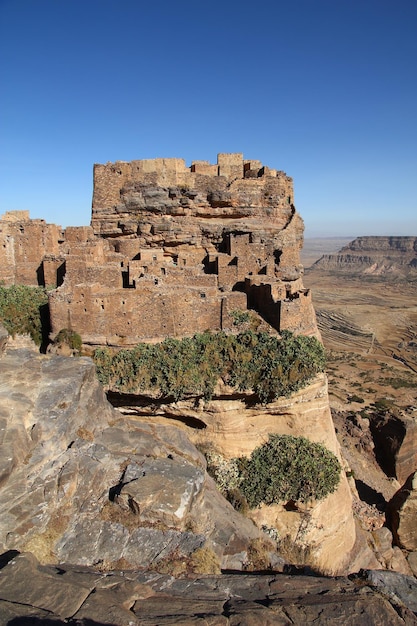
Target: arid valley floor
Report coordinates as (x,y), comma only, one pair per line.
(369,328)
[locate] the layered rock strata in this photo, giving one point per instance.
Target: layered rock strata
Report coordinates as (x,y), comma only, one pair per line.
(172,250)
(374,256)
(175,250)
(322,533)
(31,593)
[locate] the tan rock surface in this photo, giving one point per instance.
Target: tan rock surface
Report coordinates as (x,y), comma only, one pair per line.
(79,483)
(322,534)
(402,514)
(31,593)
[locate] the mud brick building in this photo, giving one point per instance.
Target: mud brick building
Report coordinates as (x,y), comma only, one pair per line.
(171,250)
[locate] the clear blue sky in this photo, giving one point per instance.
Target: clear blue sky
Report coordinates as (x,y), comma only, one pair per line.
(325,90)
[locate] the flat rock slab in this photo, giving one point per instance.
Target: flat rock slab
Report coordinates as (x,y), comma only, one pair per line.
(32,593)
(22,583)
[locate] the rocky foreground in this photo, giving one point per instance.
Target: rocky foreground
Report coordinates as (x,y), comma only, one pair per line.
(112,519)
(35,594)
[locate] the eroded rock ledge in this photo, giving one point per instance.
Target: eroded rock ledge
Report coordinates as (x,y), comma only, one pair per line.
(80,483)
(31,593)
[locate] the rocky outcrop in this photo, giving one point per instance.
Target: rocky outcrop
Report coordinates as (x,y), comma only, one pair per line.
(31,593)
(80,483)
(374,256)
(395,437)
(83,483)
(172,250)
(322,533)
(402,514)
(175,250)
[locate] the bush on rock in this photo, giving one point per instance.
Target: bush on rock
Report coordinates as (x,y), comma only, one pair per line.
(267,365)
(288,468)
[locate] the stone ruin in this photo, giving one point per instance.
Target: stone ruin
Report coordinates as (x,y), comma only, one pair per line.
(172,250)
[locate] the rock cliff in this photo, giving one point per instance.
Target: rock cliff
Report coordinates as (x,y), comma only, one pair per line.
(322,534)
(172,250)
(374,256)
(82,484)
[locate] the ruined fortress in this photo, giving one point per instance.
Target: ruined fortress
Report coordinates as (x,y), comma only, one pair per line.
(171,250)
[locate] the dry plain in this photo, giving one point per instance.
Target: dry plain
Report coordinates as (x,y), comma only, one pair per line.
(369,329)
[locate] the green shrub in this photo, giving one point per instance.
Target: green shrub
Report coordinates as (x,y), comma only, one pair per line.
(21,309)
(288,468)
(267,365)
(283,469)
(71,338)
(240,317)
(355,398)
(383,404)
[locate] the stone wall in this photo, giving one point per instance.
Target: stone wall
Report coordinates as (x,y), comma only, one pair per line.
(174,247)
(23,246)
(171,250)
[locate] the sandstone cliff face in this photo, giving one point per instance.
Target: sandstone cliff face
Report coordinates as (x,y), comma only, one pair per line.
(79,483)
(321,534)
(402,514)
(374,256)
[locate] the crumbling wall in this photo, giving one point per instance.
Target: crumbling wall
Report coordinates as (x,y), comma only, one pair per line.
(171,251)
(125,317)
(23,245)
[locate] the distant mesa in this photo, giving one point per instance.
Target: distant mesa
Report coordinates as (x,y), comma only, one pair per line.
(171,250)
(373,256)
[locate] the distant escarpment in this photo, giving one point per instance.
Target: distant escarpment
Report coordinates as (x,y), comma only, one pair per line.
(374,256)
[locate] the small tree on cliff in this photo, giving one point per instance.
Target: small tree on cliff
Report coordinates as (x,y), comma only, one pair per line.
(21,310)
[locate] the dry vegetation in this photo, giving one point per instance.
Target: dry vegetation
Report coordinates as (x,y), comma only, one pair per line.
(369,329)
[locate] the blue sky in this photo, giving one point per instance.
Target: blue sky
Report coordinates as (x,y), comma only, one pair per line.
(325,90)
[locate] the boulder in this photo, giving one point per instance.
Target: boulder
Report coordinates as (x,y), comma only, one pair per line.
(412,562)
(400,588)
(402,514)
